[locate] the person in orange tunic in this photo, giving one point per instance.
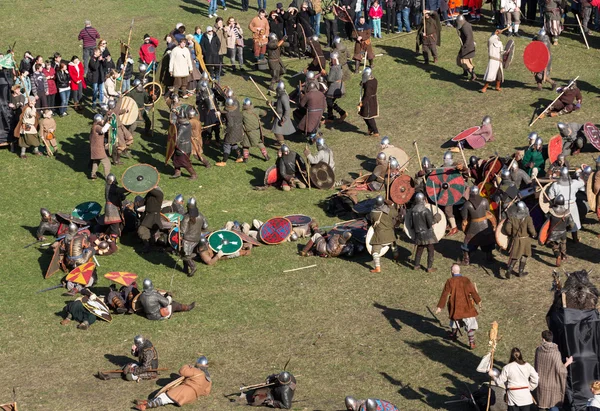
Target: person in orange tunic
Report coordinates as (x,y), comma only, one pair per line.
(196,383)
(461,296)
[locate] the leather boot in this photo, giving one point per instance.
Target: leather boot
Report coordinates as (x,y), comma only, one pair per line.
(485,87)
(177,307)
(371,63)
(465,260)
(108,376)
(205,162)
(558,261)
(306,249)
(509,267)
(430,255)
(473,76)
(575,237)
(147,248)
(418,255)
(522,272)
(83,326)
(191,268)
(498,85)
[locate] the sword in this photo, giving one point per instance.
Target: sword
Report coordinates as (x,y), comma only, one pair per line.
(29,245)
(121,370)
(54,287)
(435,316)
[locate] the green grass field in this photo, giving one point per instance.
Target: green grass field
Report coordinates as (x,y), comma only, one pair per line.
(347,331)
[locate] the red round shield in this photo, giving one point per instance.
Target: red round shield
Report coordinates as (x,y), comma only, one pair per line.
(555,146)
(544,233)
(271,176)
(593,135)
(445,186)
(466,133)
(402,189)
(536,56)
(275,230)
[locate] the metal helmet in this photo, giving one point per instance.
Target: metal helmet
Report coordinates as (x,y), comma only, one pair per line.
(230,103)
(486,120)
(460,21)
(371,403)
(310,75)
(311,86)
(532,137)
(98,118)
(143,68)
(514,166)
(521,206)
(284,149)
(138,201)
(280,86)
(72,229)
(138,340)
(419,198)
(542,32)
(191,112)
(103,246)
(448,159)
(587,170)
(202,361)
(137,82)
(203,243)
(178,199)
(110,179)
(425,163)
(284,377)
(247,102)
(191,202)
(334,56)
(204,76)
(495,371)
(320,141)
(351,403)
(564,173)
(505,174)
(473,161)
(538,143)
(337,40)
(293,236)
(474,191)
(561,157)
(203,84)
(147,285)
(394,163)
(379,201)
(346,235)
(45,213)
(559,200)
(273,36)
(366,74)
(561,126)
(385,141)
(229,93)
(314,37)
(112,104)
(381,156)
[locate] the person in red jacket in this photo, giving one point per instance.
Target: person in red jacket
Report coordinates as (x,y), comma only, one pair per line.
(148,51)
(376,13)
(50,75)
(77,75)
(462,296)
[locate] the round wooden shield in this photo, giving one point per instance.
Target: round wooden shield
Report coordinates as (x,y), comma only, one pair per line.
(275,230)
(402,189)
(87,211)
(54,265)
(589,190)
(224,240)
(536,56)
(555,146)
(113,133)
(174,239)
(439,228)
(140,178)
(298,220)
(271,176)
(370,233)
(360,180)
(97,307)
(544,232)
(501,238)
(358,228)
(509,52)
(465,133)
(445,186)
(476,141)
(593,134)
(543,200)
(171,142)
(492,219)
(247,239)
(173,217)
(131,116)
(322,176)
(398,153)
(67,218)
(154,91)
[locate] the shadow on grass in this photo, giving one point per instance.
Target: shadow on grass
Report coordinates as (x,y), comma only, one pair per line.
(118,360)
(75,153)
(398,318)
(32,230)
(461,361)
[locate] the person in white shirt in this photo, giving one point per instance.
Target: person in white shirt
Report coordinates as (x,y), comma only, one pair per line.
(519,378)
(512,15)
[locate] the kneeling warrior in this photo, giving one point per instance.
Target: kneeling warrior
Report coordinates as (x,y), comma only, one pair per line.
(159,307)
(196,383)
(278,392)
(144,369)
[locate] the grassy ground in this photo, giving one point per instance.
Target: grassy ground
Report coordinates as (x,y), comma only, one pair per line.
(348,332)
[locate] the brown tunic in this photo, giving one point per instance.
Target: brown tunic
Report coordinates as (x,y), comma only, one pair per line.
(196,136)
(363,46)
(369,107)
(520,230)
(97,150)
(193,386)
(462,297)
(315,103)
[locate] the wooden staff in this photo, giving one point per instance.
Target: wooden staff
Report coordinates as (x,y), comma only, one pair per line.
(264,97)
(582,32)
(418,155)
(153,100)
(301,268)
(542,187)
(462,152)
(492,342)
(308,168)
(555,100)
(121,370)
(387,189)
(485,180)
(126,54)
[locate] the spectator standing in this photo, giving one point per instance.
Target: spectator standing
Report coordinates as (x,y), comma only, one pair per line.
(552,374)
(50,75)
(180,67)
(88,35)
(148,51)
(77,77)
(63,80)
(376,13)
(235,43)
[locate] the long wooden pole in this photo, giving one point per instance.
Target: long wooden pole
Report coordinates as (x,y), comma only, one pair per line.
(418,155)
(264,97)
(126,55)
(582,32)
(462,152)
(551,104)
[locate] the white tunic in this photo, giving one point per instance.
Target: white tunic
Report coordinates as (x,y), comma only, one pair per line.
(523,376)
(569,193)
(495,53)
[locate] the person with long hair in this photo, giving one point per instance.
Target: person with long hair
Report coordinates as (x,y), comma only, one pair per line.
(519,378)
